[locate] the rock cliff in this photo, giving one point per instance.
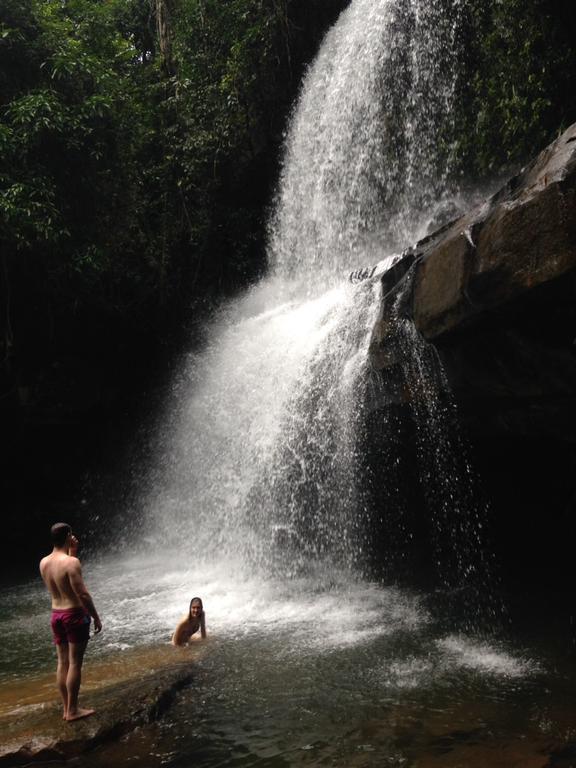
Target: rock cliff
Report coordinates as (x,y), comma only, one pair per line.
(495,293)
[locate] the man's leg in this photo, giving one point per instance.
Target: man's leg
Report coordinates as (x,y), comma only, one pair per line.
(76,657)
(62,674)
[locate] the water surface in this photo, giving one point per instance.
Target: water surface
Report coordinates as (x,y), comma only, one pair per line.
(322,670)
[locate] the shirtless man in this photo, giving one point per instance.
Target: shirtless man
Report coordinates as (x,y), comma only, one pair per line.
(72,608)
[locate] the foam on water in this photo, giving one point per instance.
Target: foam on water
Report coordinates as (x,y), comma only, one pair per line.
(445,661)
(484,657)
(146,599)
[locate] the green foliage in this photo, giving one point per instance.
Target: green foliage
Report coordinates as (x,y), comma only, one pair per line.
(76,122)
(113,174)
(519,82)
(131,190)
(230,91)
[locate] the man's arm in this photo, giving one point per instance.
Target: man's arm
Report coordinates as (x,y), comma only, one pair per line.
(73,548)
(77,584)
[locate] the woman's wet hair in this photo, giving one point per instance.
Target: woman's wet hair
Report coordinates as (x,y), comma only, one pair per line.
(195,600)
(59,533)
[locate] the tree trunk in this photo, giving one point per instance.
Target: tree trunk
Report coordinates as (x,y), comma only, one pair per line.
(164,10)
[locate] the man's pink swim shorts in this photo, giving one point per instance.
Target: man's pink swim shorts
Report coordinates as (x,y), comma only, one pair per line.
(70,625)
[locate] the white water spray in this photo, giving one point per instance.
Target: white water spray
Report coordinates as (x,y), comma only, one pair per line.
(259,460)
(369,150)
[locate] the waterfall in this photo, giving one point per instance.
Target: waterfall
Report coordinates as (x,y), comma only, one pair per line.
(259,463)
(452,501)
(368,157)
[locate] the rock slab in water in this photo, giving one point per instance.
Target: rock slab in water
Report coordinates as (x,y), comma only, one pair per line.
(42,736)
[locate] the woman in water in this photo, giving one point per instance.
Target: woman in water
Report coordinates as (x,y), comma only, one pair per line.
(190,624)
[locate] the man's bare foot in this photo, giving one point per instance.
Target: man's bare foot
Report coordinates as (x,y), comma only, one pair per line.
(80,713)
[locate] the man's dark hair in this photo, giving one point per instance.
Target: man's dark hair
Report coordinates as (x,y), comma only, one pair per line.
(59,533)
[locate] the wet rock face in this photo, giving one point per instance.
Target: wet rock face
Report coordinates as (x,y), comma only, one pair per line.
(513,377)
(495,293)
(497,297)
(515,372)
(522,237)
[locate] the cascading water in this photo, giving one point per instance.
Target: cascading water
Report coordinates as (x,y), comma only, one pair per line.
(368,153)
(453,503)
(259,460)
(262,449)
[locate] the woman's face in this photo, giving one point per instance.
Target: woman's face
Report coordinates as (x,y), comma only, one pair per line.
(195,609)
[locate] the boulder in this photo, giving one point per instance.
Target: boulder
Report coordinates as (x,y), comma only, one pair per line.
(522,237)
